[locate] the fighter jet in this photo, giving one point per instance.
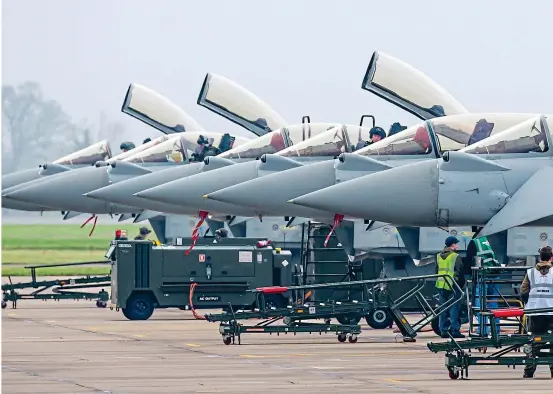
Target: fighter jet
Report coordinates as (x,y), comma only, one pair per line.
(327,141)
(495,184)
(67,191)
(140,102)
(84,157)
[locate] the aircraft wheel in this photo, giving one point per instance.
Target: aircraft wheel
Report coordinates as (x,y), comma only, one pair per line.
(379,319)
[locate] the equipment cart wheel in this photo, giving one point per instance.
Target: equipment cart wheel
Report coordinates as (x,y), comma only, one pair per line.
(349,319)
(353,339)
(4,304)
(379,319)
(101,304)
(453,374)
(342,337)
(139,307)
(227,340)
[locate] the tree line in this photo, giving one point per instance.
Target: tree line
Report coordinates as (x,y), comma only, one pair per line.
(36,129)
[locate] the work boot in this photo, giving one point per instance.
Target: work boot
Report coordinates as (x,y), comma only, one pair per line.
(529,374)
(457,335)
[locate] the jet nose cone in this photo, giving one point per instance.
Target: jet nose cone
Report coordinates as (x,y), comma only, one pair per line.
(404,195)
(274,190)
(65,191)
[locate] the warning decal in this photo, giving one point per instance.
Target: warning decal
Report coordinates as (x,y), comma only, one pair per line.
(245,257)
(201,258)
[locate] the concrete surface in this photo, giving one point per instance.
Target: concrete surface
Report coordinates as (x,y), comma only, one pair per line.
(74,347)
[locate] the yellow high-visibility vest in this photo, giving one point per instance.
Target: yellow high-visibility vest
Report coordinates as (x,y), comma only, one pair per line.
(446,267)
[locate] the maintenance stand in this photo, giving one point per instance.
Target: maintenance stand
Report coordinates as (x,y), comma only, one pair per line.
(307,307)
(62,289)
(458,359)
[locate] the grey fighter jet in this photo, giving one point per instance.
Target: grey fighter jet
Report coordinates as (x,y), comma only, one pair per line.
(495,184)
(84,157)
(69,190)
(140,102)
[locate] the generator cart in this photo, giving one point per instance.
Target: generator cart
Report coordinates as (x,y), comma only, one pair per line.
(145,276)
(62,289)
(374,295)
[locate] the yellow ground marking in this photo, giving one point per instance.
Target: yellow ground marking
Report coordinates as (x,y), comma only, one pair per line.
(192,345)
(139,335)
(12,314)
(392,380)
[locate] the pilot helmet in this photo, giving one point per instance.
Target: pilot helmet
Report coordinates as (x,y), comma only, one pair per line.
(127,145)
(377,131)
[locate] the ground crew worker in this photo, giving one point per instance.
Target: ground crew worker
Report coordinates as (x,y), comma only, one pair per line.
(450,263)
(480,247)
(144,231)
(537,293)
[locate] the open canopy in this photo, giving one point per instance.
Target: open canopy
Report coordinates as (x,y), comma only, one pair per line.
(99,151)
(408,88)
(277,140)
(239,105)
(188,146)
(157,111)
(526,137)
(331,143)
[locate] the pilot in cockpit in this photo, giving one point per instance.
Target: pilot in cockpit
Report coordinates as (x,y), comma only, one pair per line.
(375,134)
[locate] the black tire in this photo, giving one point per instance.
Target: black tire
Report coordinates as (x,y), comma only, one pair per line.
(349,319)
(342,337)
(453,374)
(4,304)
(275,301)
(227,340)
(352,339)
(379,319)
(139,307)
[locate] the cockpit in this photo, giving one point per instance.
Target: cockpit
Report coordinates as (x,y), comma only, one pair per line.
(414,140)
(457,132)
(277,140)
(330,143)
(526,137)
(140,148)
(187,147)
(157,111)
(99,151)
(408,88)
(239,105)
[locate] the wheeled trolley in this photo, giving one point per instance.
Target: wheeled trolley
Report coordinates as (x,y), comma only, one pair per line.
(375,296)
(458,353)
(62,289)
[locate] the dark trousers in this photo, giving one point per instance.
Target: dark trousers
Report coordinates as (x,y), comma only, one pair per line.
(539,325)
(452,314)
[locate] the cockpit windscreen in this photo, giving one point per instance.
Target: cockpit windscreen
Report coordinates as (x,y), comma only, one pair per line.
(528,136)
(99,151)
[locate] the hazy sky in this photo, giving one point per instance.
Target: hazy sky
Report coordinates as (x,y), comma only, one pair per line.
(301,57)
